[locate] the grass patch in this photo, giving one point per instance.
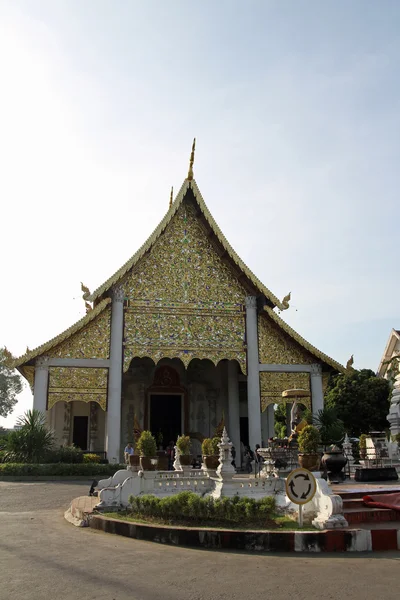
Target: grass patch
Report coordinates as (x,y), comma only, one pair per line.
(276,522)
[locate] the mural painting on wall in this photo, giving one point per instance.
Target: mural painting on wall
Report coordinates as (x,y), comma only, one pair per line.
(184,301)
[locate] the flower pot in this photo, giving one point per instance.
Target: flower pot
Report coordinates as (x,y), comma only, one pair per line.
(186,460)
(148,463)
(134,460)
(162,464)
(211,461)
(333,462)
(311,462)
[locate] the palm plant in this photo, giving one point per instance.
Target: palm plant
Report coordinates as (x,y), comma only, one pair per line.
(31,441)
(331,428)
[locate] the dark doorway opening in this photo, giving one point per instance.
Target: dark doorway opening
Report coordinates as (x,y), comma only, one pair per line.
(80,432)
(165,417)
(244,430)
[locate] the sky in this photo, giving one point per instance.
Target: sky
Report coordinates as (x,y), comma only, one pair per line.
(295,107)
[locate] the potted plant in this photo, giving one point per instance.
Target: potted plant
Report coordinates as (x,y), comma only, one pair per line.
(309,440)
(183,444)
(147,449)
(210,452)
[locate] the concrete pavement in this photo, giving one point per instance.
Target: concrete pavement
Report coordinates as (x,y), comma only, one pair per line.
(43,557)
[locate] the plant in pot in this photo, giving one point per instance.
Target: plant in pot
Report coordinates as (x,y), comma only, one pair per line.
(183,444)
(210,452)
(147,449)
(309,440)
(331,430)
(363,446)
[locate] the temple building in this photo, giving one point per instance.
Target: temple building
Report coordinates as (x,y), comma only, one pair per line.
(180,336)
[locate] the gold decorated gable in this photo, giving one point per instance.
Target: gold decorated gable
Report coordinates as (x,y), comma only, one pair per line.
(79,384)
(273,384)
(92,341)
(277,347)
(183,300)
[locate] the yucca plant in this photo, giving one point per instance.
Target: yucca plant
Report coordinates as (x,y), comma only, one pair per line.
(31,441)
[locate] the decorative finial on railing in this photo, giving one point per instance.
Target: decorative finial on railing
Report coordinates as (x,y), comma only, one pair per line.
(190,172)
(171,197)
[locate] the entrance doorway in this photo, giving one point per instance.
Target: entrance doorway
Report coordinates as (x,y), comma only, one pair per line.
(166,417)
(80,432)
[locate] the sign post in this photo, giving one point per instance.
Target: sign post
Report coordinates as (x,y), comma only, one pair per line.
(300,489)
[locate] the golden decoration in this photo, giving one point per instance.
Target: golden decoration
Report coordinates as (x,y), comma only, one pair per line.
(350,362)
(273,384)
(285,301)
(177,299)
(67,334)
(277,347)
(191,162)
(91,341)
(74,384)
(88,307)
(85,290)
(171,197)
(159,232)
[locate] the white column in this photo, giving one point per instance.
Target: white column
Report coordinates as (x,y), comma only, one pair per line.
(253,375)
(115,377)
(317,394)
(271,421)
(40,385)
(233,409)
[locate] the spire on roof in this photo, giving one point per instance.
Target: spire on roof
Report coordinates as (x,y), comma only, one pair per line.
(190,172)
(171,197)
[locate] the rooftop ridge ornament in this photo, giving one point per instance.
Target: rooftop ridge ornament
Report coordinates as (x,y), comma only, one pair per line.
(285,301)
(350,362)
(85,290)
(171,196)
(190,172)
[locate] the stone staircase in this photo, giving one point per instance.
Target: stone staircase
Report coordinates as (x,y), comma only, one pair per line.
(356,513)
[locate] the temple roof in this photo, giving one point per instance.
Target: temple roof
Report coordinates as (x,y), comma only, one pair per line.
(187,185)
(64,335)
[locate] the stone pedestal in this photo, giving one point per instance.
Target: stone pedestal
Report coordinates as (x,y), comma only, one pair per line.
(394,412)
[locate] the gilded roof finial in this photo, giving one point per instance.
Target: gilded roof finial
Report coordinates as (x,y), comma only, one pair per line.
(171,197)
(190,172)
(350,362)
(285,301)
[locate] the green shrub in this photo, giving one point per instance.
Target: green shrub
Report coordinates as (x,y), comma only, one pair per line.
(58,469)
(309,439)
(3,455)
(32,441)
(183,444)
(65,454)
(146,444)
(193,508)
(209,447)
(91,458)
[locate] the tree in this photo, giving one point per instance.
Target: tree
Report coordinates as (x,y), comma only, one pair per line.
(32,441)
(361,400)
(10,383)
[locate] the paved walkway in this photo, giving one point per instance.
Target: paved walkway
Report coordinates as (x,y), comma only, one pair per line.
(43,557)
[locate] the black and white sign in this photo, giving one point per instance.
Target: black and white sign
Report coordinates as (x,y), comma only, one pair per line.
(300,486)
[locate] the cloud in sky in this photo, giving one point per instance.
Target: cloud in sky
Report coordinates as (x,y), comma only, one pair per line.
(295,106)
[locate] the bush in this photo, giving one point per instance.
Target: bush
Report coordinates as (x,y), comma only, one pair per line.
(65,454)
(192,507)
(3,455)
(146,445)
(183,444)
(58,469)
(309,439)
(209,447)
(91,458)
(32,441)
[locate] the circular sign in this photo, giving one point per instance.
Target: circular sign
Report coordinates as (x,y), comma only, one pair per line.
(300,486)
